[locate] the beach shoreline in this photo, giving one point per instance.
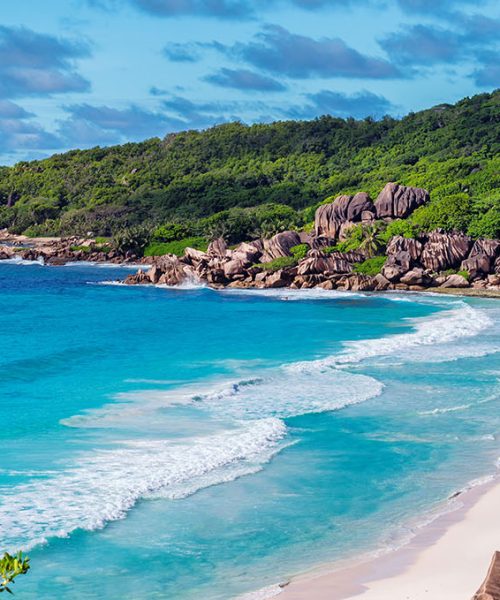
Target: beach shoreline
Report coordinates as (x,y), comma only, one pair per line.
(447,560)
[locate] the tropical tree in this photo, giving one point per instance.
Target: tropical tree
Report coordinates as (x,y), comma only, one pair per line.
(372,241)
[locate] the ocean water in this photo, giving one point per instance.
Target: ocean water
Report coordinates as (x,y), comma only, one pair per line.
(188,443)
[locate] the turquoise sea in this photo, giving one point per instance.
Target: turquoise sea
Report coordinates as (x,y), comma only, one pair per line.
(190,443)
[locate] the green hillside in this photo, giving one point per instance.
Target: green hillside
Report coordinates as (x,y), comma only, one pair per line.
(452,150)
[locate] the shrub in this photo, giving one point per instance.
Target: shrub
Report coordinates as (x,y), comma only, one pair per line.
(80,249)
(299,252)
(371,266)
(132,239)
(449,213)
(177,247)
(487,225)
(464,274)
(278,263)
(401,227)
(170,232)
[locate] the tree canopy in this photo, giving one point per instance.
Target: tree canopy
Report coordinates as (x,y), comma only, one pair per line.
(289,166)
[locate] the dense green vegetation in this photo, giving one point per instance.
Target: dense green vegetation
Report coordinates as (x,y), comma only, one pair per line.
(371,266)
(176,247)
(282,262)
(247,181)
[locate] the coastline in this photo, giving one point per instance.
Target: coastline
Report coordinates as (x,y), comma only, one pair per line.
(447,560)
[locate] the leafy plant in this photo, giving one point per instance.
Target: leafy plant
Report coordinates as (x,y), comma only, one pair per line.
(372,241)
(299,252)
(371,266)
(132,239)
(177,248)
(264,178)
(282,262)
(402,227)
(10,568)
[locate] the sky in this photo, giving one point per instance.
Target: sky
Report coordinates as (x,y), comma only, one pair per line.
(82,73)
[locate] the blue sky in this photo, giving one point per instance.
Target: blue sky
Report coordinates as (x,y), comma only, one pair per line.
(80,73)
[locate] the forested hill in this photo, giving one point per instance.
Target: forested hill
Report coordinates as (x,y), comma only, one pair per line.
(452,150)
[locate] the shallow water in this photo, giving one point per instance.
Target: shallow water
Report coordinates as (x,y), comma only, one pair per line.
(197,444)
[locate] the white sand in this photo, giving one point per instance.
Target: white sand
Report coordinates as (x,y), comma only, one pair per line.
(446,561)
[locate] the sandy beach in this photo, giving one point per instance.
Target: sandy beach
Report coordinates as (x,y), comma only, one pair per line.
(447,560)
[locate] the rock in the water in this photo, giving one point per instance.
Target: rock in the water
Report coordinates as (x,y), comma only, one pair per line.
(280,245)
(398,201)
(445,250)
(173,270)
(154,274)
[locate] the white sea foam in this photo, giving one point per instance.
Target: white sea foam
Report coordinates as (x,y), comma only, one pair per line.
(270,591)
(281,396)
(17,260)
(275,394)
(106,265)
(435,331)
(293,295)
(104,485)
(442,411)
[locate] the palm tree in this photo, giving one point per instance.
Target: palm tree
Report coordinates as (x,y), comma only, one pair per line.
(372,240)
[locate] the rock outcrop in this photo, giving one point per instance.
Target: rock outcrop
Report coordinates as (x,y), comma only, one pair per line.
(482,258)
(280,245)
(439,259)
(490,588)
(445,250)
(330,218)
(398,201)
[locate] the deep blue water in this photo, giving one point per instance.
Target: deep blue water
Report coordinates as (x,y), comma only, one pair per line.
(197,444)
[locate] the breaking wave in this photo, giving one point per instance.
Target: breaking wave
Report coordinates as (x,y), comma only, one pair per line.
(429,332)
(104,485)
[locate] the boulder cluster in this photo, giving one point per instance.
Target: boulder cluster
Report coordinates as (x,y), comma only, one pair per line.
(59,251)
(433,260)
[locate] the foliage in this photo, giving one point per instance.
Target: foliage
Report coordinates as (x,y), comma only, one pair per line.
(403,227)
(464,274)
(488,224)
(233,170)
(176,247)
(80,249)
(371,266)
(452,212)
(282,262)
(299,252)
(133,239)
(170,232)
(371,240)
(10,568)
